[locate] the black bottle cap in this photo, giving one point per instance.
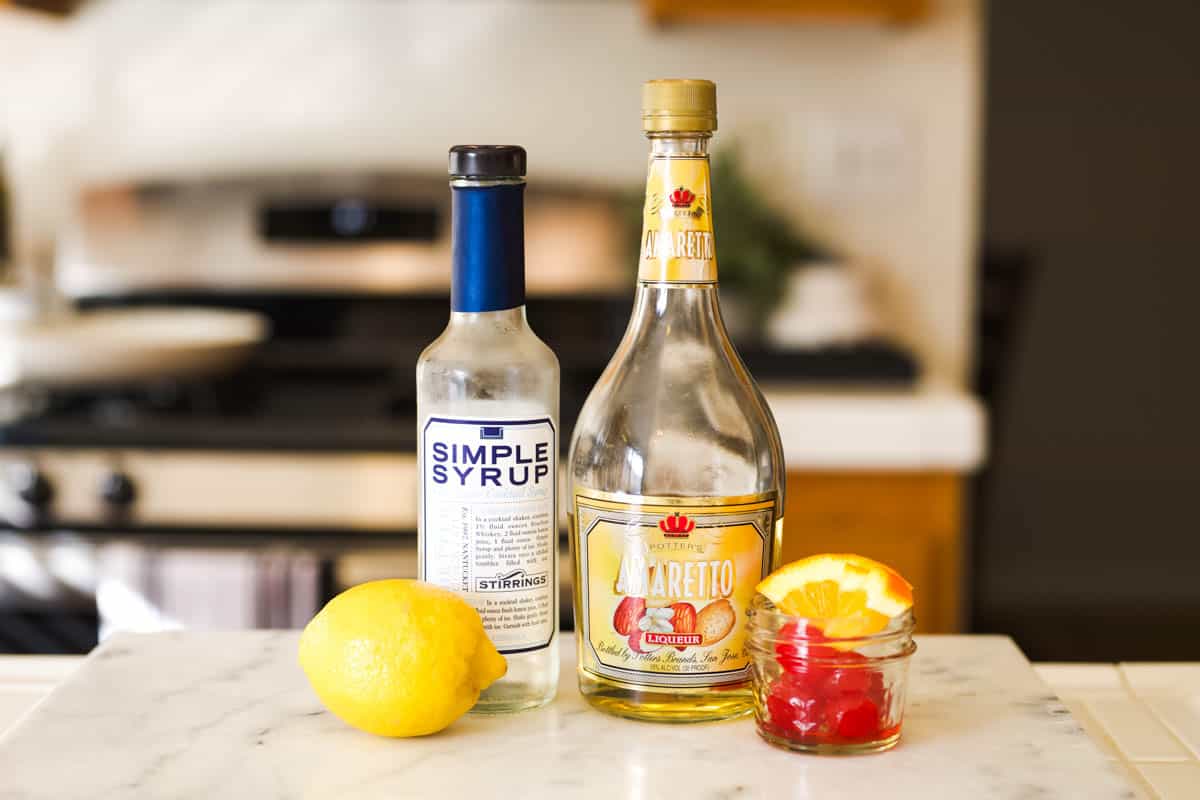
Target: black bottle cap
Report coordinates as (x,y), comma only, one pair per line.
(484,161)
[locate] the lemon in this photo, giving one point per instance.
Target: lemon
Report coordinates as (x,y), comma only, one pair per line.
(398,657)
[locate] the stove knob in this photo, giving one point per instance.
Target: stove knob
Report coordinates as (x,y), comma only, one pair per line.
(118,490)
(32,486)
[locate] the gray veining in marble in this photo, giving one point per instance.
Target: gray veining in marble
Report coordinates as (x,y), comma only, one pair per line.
(230,715)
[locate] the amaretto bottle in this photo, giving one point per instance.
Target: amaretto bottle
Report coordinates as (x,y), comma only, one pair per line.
(487,410)
(676,468)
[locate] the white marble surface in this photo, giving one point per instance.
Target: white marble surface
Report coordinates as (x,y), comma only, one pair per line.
(930,428)
(26,680)
(230,715)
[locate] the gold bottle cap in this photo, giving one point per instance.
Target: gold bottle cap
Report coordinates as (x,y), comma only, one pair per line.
(679,104)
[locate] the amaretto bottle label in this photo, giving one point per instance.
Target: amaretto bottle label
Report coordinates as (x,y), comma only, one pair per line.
(490,519)
(677,238)
(666,585)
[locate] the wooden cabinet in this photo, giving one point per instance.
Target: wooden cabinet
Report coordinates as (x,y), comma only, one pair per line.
(57,7)
(886,11)
(912,521)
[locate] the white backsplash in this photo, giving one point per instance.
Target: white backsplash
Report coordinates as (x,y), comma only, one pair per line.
(890,114)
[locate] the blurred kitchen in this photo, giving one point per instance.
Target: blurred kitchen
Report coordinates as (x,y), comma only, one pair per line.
(226,242)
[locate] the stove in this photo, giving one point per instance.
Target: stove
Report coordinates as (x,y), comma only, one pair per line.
(264,491)
(183,497)
(316,431)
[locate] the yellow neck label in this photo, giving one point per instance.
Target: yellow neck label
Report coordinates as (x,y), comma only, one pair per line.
(677,235)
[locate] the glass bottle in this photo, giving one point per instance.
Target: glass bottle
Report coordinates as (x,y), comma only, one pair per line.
(676,470)
(487,410)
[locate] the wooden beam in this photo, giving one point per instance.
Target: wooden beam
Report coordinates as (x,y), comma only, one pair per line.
(775,11)
(58,8)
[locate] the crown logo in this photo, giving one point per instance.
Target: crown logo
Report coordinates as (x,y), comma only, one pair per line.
(676,525)
(681,198)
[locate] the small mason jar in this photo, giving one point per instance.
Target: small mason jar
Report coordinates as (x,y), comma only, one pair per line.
(833,696)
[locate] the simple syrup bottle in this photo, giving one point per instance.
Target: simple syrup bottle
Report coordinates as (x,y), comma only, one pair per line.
(487,411)
(676,470)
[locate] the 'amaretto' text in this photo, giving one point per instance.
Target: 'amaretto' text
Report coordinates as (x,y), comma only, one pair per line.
(676,580)
(696,245)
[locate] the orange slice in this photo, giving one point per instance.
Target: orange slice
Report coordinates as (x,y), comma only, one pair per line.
(846,595)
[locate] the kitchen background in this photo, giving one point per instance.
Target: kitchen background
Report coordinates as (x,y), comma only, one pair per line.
(226,245)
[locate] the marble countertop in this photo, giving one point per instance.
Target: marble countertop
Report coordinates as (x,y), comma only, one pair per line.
(230,715)
(930,428)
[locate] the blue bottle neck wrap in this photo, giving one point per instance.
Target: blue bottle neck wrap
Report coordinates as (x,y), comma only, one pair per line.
(488,250)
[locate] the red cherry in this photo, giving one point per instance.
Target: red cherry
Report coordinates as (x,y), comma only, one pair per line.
(794,649)
(804,683)
(849,680)
(793,715)
(852,716)
(791,632)
(877,690)
(804,678)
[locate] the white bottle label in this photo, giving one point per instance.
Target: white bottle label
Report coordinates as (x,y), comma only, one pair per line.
(490,522)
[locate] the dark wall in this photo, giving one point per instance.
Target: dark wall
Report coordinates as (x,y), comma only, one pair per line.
(1088,531)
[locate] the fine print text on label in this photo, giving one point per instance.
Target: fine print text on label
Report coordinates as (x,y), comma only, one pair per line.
(490,522)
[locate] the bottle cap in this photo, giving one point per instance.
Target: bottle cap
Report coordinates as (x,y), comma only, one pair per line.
(679,104)
(486,161)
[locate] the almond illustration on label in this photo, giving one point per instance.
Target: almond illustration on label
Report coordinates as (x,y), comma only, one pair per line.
(629,611)
(684,620)
(715,621)
(638,645)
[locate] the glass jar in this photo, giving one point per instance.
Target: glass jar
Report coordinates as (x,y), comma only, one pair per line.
(834,696)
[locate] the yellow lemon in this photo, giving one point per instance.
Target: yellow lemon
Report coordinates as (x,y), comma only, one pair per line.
(398,657)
